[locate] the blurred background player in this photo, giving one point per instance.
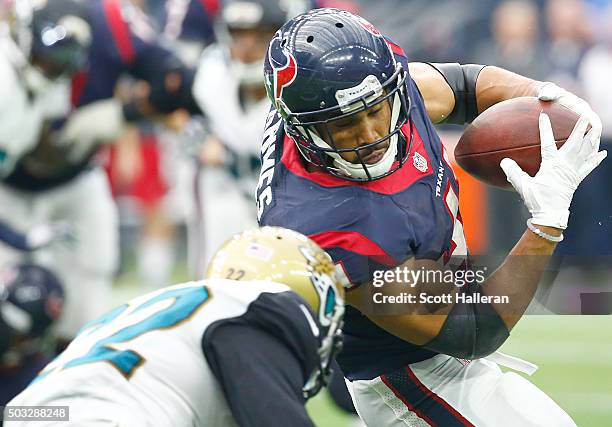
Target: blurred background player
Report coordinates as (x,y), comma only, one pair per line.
(152,170)
(230,91)
(250,344)
(151,167)
(158,170)
(83,48)
(31,300)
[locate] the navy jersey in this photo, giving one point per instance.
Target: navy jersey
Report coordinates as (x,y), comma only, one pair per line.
(367,226)
(122,42)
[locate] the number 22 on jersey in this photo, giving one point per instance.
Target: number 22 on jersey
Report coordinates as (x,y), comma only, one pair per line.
(95,341)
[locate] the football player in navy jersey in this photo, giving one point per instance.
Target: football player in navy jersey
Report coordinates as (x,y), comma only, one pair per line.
(60,62)
(350,157)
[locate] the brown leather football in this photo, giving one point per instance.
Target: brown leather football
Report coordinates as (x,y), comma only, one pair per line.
(510,129)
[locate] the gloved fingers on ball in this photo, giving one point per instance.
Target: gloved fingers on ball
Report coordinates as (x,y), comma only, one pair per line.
(547,139)
(589,146)
(513,172)
(596,124)
(577,139)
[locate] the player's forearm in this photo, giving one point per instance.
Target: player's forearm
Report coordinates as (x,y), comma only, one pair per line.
(495,85)
(519,275)
(414,321)
(420,323)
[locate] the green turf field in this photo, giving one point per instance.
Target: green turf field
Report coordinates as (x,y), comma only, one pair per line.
(574,355)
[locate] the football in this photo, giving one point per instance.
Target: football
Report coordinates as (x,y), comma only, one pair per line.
(510,129)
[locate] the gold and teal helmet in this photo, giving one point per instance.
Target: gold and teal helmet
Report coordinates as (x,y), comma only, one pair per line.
(287,257)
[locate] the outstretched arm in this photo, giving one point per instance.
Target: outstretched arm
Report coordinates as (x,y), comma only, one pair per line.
(457,94)
(472,330)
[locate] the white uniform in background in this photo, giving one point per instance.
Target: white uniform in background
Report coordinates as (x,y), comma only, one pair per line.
(154,372)
(224,199)
(86,265)
(21,114)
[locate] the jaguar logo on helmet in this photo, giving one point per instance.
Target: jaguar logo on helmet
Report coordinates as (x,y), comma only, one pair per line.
(286,73)
(323,278)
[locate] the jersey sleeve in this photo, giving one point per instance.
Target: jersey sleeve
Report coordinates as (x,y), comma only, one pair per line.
(359,255)
(262,360)
(260,378)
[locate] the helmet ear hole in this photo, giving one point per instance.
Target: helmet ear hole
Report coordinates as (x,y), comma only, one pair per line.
(339,25)
(310,39)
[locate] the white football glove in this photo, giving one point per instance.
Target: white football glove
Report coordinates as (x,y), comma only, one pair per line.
(551,92)
(549,194)
(96,123)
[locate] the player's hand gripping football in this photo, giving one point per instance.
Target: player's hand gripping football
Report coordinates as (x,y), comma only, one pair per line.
(550,92)
(549,193)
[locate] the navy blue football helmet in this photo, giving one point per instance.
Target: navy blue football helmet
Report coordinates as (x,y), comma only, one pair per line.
(54,36)
(31,299)
(327,65)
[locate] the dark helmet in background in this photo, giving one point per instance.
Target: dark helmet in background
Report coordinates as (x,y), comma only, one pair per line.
(31,299)
(327,65)
(54,37)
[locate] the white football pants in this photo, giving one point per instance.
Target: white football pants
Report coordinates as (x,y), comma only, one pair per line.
(445,391)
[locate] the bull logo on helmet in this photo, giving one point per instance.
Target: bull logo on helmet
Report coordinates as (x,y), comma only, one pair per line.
(286,73)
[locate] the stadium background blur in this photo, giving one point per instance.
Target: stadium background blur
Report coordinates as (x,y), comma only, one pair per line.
(565,41)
